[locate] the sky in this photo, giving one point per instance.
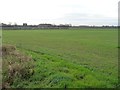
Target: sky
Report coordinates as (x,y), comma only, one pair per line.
(75,12)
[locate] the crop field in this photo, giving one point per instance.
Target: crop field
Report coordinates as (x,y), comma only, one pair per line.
(84,58)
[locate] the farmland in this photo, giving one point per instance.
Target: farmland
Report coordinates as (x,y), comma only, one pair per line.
(85,58)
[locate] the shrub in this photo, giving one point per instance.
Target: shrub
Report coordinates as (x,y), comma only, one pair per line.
(15,65)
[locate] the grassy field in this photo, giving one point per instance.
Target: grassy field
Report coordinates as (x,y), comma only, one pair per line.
(85,58)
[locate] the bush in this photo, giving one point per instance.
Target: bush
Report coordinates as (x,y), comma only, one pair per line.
(15,65)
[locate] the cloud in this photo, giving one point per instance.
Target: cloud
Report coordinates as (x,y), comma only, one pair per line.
(88,19)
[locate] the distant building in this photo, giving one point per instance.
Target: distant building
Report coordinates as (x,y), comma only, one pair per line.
(45,25)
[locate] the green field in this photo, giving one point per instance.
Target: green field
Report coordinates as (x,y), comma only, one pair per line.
(85,58)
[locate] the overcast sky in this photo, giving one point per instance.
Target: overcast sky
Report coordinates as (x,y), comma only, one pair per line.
(75,12)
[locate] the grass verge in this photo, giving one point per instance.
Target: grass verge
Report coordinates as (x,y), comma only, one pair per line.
(16,66)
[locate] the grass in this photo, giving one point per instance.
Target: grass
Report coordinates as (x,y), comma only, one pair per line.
(85,58)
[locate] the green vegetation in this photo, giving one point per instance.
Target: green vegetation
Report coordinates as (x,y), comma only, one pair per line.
(86,58)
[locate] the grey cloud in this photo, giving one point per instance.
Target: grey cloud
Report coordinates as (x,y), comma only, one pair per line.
(89,19)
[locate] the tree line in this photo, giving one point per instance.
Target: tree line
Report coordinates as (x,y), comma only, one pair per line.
(25,26)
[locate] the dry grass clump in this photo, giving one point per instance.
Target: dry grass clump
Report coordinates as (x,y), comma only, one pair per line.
(8,49)
(15,65)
